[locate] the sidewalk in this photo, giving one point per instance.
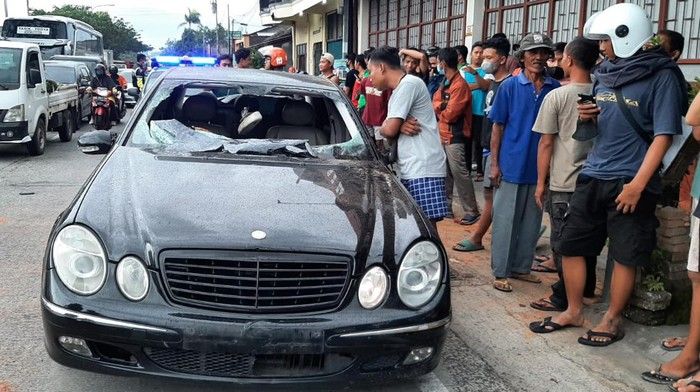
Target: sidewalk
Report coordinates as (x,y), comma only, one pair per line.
(494,324)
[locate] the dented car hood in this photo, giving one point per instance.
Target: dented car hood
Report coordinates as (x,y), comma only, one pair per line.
(141,203)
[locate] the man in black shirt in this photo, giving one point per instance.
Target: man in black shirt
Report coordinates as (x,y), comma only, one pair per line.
(351,76)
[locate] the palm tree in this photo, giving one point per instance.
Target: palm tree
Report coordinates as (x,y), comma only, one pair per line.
(191,17)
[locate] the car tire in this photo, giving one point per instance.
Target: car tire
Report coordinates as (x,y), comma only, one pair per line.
(76,119)
(65,131)
(38,143)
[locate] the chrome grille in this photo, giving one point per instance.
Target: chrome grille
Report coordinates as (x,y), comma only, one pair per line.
(258,283)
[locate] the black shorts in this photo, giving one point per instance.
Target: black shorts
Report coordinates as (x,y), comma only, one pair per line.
(593,217)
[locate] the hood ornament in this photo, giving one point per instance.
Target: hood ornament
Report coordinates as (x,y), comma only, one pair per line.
(259,235)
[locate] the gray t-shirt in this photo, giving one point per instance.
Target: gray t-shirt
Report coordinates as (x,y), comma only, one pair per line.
(422,155)
(559,115)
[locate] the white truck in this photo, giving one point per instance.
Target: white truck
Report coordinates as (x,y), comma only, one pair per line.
(29,104)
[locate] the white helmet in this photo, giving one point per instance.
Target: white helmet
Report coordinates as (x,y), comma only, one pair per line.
(625,24)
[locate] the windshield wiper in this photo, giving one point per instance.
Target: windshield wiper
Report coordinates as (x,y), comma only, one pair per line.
(3,87)
(291,147)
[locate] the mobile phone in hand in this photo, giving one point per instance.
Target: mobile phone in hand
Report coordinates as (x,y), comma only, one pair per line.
(586,98)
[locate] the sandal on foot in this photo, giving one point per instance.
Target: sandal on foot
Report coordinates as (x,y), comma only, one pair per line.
(658,377)
(545,305)
(466,245)
(530,278)
(667,345)
(612,338)
(543,268)
(502,285)
(542,258)
(692,383)
(546,326)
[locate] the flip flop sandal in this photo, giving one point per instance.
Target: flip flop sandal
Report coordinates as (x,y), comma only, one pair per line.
(547,326)
(543,268)
(658,377)
(502,285)
(530,278)
(545,305)
(612,338)
(542,258)
(467,245)
(692,383)
(666,347)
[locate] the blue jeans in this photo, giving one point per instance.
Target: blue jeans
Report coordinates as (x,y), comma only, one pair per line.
(516,225)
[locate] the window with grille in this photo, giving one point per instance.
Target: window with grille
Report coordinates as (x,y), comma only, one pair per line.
(301,57)
(563,20)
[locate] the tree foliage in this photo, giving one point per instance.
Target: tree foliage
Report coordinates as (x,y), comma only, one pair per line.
(118,34)
(200,42)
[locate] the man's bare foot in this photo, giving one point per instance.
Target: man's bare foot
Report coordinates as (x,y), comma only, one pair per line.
(592,301)
(680,366)
(688,384)
(606,325)
(567,318)
(675,343)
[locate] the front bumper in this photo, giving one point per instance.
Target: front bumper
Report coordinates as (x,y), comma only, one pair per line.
(186,343)
(14,132)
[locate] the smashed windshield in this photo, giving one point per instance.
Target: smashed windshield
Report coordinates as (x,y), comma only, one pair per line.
(232,119)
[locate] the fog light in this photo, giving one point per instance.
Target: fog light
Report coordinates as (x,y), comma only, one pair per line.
(75,345)
(10,134)
(418,355)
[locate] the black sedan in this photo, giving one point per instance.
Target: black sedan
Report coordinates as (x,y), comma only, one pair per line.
(243,228)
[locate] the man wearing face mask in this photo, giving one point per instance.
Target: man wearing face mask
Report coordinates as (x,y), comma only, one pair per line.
(516,216)
(496,51)
(436,78)
(452,104)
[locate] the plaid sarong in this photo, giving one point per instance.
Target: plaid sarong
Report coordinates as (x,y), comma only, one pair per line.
(430,195)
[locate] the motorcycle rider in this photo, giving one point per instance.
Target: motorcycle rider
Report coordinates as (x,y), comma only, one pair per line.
(102,79)
(121,83)
(139,76)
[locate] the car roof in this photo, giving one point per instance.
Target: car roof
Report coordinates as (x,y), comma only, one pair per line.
(66,57)
(65,63)
(248,76)
(7,43)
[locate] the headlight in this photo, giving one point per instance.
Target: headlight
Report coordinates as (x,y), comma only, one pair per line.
(420,274)
(373,288)
(14,114)
(80,261)
(132,278)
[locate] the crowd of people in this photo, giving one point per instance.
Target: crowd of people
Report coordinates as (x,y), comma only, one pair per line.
(576,129)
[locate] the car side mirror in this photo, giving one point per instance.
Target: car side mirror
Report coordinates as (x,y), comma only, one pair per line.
(84,82)
(95,142)
(133,91)
(34,77)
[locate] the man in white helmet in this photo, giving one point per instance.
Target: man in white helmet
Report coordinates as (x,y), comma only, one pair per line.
(639,100)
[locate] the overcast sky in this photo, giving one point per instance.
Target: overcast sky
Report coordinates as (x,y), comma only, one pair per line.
(158,20)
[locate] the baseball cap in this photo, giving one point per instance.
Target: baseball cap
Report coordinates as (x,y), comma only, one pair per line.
(535,41)
(329,57)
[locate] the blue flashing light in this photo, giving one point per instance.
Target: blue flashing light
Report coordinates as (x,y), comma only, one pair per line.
(175,61)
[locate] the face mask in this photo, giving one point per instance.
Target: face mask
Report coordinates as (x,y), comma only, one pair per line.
(440,70)
(99,72)
(489,67)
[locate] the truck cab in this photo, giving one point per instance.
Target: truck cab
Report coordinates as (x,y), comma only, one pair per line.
(27,108)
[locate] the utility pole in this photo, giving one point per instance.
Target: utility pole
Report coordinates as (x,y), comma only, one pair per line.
(214,8)
(228,20)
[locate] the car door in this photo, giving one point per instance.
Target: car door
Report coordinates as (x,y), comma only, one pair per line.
(37,97)
(84,81)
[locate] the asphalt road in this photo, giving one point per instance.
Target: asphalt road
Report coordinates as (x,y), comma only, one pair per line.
(33,191)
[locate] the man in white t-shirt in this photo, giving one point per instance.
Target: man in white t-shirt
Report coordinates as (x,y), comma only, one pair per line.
(421,158)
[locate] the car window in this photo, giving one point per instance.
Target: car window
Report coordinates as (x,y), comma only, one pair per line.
(63,75)
(186,117)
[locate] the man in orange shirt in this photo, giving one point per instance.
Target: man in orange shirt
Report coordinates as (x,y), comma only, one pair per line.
(452,104)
